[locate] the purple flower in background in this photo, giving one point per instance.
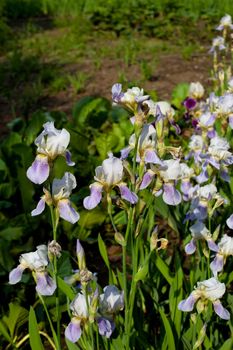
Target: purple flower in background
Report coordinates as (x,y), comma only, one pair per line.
(190,103)
(108,176)
(61,190)
(36,262)
(210,289)
(50,144)
(225,249)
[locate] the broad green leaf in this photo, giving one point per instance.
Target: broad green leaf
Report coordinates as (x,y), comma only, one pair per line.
(11,233)
(17,316)
(164,211)
(34,336)
(103,251)
(65,288)
(169,341)
(228,345)
(141,273)
(89,219)
(35,127)
(71,346)
(163,268)
(179,94)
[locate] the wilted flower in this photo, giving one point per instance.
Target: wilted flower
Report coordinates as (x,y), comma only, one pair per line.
(196,90)
(61,190)
(225,22)
(210,289)
(50,144)
(225,249)
(200,232)
(36,262)
(108,176)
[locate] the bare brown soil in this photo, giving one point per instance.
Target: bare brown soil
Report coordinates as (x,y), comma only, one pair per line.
(171,70)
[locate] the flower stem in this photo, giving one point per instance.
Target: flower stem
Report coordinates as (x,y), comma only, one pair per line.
(54,219)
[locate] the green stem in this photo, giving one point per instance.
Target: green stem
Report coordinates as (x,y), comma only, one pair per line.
(54,220)
(55,337)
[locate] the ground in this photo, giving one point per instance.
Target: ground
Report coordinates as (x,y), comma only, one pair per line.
(52,68)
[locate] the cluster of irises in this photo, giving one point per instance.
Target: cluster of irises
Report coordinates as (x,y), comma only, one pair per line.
(178,176)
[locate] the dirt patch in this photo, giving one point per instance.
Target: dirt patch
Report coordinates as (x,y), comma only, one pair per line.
(171,69)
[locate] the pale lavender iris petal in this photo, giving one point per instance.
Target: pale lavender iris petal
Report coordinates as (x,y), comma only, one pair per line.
(170,195)
(127,194)
(230,222)
(67,212)
(191,247)
(211,133)
(39,208)
(73,331)
(212,245)
(231,121)
(45,284)
(16,275)
(39,170)
(221,311)
(202,177)
(147,178)
(151,157)
(217,264)
(224,175)
(106,327)
(132,120)
(125,152)
(117,93)
(68,158)
(187,304)
(94,199)
(185,187)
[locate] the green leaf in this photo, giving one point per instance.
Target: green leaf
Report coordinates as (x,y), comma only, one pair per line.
(89,219)
(175,295)
(164,211)
(103,251)
(4,332)
(11,233)
(17,316)
(65,288)
(169,341)
(179,94)
(34,336)
(228,345)
(141,273)
(35,127)
(163,268)
(71,346)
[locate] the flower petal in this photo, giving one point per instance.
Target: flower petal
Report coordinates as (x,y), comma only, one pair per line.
(106,327)
(39,170)
(45,284)
(151,157)
(67,212)
(217,264)
(94,199)
(221,311)
(147,178)
(127,194)
(212,245)
(68,158)
(230,222)
(170,195)
(39,208)
(16,274)
(187,304)
(191,247)
(73,331)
